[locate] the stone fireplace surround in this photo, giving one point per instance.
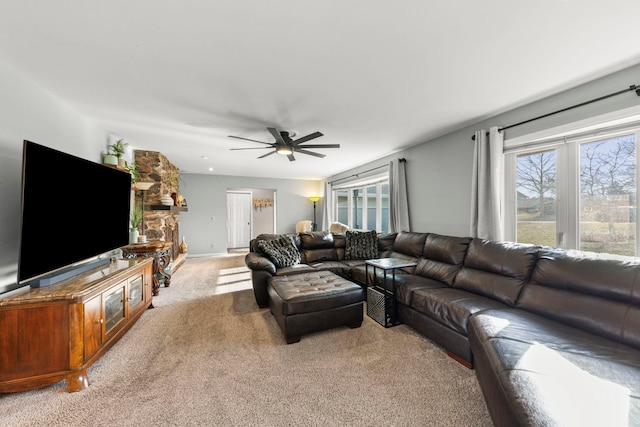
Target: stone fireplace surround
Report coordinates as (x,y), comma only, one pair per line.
(159,224)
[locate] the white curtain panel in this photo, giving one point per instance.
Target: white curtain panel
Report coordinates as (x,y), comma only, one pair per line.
(487,184)
(399,202)
(327,209)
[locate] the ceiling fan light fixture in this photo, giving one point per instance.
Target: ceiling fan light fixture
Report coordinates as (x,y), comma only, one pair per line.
(284,150)
(284,145)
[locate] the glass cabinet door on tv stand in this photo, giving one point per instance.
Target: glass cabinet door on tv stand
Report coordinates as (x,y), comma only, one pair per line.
(114,305)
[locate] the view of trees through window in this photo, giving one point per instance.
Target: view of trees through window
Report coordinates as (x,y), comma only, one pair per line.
(606,186)
(607,195)
(536,198)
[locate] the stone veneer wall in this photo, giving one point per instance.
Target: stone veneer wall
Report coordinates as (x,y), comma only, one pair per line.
(159,225)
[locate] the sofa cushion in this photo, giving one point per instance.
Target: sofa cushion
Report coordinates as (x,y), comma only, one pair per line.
(361,245)
(339,241)
(318,255)
(340,244)
(282,251)
(451,307)
(409,243)
(536,371)
(588,292)
(442,257)
(406,284)
(316,240)
(317,246)
(497,270)
(385,241)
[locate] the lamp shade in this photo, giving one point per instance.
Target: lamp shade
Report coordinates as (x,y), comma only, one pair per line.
(314,198)
(143,186)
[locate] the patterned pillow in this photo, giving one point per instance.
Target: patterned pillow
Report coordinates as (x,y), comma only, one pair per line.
(282,251)
(361,245)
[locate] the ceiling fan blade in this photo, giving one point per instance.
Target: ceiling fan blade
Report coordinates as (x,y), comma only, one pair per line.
(307,138)
(320,146)
(251,148)
(247,139)
(277,136)
(291,158)
(268,154)
(311,153)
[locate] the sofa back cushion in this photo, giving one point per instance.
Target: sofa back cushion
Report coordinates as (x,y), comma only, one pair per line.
(316,246)
(409,243)
(340,243)
(442,257)
(497,270)
(386,241)
(316,240)
(586,291)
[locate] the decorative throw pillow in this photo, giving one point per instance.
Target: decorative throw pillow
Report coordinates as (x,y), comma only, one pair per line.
(282,251)
(361,245)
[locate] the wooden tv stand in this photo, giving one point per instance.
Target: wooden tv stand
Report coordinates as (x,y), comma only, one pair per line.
(56,332)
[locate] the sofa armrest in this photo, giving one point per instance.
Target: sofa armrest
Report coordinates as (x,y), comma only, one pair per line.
(257,261)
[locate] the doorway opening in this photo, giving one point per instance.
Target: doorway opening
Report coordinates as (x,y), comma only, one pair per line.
(250,212)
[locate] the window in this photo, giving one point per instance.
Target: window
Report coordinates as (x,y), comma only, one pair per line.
(577,192)
(607,220)
(536,198)
(364,205)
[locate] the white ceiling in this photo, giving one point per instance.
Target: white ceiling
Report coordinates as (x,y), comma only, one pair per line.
(372,75)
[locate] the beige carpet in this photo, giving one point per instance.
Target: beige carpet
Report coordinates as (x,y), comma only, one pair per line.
(206,357)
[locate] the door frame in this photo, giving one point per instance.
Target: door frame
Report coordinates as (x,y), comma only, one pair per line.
(250,193)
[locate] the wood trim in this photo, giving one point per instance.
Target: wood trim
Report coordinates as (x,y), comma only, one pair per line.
(460,360)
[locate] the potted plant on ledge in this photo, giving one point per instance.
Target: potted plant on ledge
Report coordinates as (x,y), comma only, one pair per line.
(133,170)
(136,218)
(118,149)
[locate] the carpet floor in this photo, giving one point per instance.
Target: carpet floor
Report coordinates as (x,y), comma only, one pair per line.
(206,355)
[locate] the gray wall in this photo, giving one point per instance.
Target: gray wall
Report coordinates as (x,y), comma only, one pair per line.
(263,218)
(207,199)
(439,170)
(29,112)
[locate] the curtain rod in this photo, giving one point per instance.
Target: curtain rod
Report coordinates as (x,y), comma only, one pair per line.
(369,170)
(620,92)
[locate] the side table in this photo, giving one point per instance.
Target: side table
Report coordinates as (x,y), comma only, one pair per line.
(161,253)
(381,300)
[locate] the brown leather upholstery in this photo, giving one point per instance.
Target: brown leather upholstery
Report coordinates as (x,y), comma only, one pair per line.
(597,295)
(319,250)
(443,256)
(310,302)
(497,270)
(535,371)
(543,328)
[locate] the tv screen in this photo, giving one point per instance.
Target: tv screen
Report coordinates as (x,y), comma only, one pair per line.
(73,210)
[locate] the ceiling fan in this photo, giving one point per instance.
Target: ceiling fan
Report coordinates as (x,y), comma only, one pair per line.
(286,146)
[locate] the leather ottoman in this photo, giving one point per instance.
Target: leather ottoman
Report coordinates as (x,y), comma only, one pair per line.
(314,301)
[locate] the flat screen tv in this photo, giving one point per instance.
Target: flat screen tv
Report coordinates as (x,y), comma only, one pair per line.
(75,213)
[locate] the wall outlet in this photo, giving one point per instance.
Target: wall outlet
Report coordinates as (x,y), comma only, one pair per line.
(213,245)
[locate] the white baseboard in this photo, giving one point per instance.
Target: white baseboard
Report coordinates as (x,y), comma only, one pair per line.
(212,254)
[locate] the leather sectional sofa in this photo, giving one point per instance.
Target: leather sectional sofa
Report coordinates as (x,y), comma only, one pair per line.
(554,336)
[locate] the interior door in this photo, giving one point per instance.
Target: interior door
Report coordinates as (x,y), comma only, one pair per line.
(239,219)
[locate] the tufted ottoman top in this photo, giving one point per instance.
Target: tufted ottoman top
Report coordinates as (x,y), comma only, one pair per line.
(314,291)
